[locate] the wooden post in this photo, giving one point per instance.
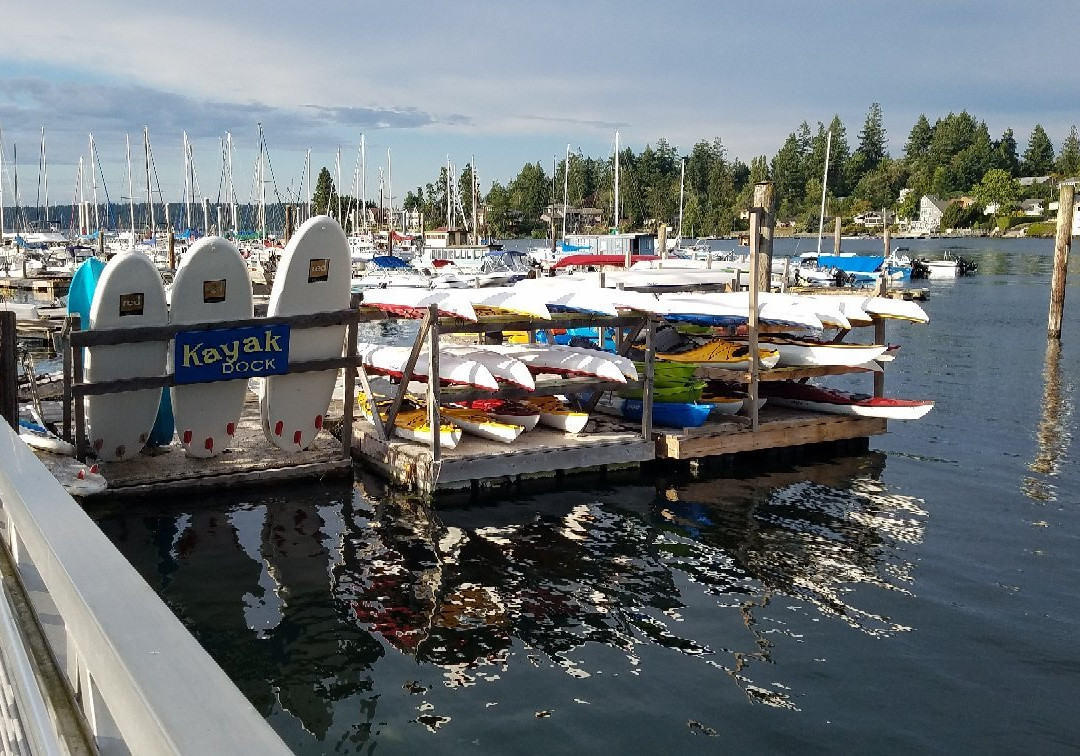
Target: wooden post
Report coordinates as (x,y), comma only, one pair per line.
(836,237)
(1062,242)
(172,251)
(434,418)
(661,240)
(650,377)
(71,324)
(9,380)
(752,315)
(883,282)
(288,222)
(879,376)
(350,391)
(101,244)
(763,203)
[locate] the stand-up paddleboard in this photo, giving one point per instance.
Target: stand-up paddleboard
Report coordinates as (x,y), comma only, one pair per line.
(313,275)
(76,478)
(129,294)
(81,290)
(211,286)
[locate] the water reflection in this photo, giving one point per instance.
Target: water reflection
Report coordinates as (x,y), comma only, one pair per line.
(304,596)
(1053,432)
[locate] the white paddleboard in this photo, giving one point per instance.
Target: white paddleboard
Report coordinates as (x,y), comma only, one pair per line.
(313,275)
(211,285)
(76,478)
(129,294)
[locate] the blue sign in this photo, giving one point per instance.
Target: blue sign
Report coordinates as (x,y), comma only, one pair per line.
(229,353)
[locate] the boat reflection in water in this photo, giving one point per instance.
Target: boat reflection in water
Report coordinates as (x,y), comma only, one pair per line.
(324,603)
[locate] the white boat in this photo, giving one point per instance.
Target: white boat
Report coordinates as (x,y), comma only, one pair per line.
(946,267)
(565,361)
(391,361)
(503,366)
(480,424)
(413,302)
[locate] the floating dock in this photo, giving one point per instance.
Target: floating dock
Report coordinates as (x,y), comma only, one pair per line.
(249,460)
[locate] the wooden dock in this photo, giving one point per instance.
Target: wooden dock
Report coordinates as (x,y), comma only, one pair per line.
(478,463)
(49,287)
(778,427)
(249,460)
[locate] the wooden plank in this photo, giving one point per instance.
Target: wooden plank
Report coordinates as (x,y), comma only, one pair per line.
(232,479)
(162,333)
(809,430)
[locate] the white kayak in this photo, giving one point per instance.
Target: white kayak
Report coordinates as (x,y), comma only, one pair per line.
(565,361)
(562,294)
(413,302)
(480,424)
(391,360)
(38,437)
(511,300)
(503,366)
(508,411)
(808,352)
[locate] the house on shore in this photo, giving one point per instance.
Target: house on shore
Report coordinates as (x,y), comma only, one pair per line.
(931,209)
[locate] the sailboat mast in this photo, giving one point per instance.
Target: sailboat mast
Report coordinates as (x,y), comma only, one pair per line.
(390,192)
(565,189)
(149,195)
(231,188)
(131,191)
(337,167)
(262,190)
(93,181)
(617,183)
(682,194)
(472,200)
(449,197)
(363,183)
(824,181)
(187,182)
(307,181)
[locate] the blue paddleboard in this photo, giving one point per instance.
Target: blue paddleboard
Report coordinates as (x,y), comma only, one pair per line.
(80,298)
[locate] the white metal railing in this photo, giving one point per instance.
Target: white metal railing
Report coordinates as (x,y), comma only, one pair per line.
(26,725)
(144,683)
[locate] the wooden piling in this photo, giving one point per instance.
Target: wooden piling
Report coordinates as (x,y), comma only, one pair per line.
(756,214)
(288,223)
(172,251)
(763,204)
(1062,242)
(836,236)
(9,381)
(661,240)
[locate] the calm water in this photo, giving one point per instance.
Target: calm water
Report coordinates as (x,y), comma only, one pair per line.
(921,597)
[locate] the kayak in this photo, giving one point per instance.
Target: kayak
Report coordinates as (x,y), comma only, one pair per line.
(669,373)
(687,392)
(555,413)
(723,354)
(411,424)
(481,424)
(819,399)
(813,352)
(668,414)
(507,411)
(391,361)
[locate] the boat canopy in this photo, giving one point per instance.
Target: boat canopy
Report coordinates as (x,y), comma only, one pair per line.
(389,262)
(852,263)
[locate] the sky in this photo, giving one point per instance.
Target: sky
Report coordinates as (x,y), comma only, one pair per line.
(499,83)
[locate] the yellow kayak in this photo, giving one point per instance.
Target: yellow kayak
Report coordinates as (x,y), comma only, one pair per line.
(481,424)
(412,424)
(554,413)
(725,354)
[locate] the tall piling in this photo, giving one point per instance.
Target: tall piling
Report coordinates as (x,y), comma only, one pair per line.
(763,205)
(1062,242)
(9,382)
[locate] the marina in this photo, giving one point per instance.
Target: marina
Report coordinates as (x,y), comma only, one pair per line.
(638,459)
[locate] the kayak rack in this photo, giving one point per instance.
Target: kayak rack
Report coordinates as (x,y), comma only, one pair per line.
(539,453)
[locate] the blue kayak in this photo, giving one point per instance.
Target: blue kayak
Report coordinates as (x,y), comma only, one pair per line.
(669,414)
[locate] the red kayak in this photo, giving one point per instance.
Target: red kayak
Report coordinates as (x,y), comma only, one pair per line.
(818,399)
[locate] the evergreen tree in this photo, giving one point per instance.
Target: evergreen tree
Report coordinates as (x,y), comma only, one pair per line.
(918,143)
(1005,155)
(324,199)
(872,140)
(1039,155)
(841,154)
(1068,162)
(788,180)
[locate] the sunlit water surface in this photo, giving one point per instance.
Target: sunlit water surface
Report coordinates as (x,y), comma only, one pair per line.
(917,598)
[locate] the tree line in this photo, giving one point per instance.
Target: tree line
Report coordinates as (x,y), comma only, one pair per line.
(952,156)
